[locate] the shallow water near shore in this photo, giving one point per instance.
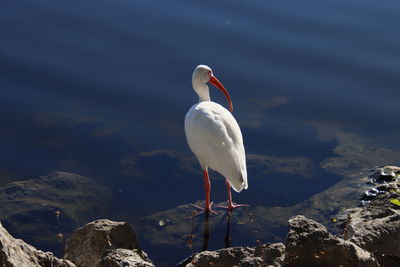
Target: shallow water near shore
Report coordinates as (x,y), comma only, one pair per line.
(101,89)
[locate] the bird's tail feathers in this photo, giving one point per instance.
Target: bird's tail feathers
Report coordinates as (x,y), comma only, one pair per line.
(241,183)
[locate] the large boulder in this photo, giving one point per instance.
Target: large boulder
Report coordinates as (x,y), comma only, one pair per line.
(265,255)
(45,209)
(16,253)
(310,244)
(105,243)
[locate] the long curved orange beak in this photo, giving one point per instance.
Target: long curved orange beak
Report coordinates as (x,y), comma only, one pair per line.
(214,81)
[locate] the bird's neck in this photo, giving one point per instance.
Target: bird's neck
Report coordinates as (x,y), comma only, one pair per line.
(205,96)
(203,91)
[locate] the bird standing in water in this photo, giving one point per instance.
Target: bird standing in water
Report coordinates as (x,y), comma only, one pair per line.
(215,138)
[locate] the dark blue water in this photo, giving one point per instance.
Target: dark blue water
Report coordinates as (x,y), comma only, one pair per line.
(101,88)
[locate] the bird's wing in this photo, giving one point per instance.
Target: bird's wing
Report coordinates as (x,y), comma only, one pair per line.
(217,142)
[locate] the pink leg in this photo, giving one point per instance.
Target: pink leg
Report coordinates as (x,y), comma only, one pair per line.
(207,188)
(231,206)
(228,189)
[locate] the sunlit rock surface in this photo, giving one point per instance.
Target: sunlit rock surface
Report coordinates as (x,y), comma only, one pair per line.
(124,258)
(16,253)
(105,243)
(376,226)
(310,244)
(266,255)
(45,210)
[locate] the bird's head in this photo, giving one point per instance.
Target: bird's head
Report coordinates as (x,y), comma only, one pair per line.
(202,75)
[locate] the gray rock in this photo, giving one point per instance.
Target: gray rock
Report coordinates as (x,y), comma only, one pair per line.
(266,255)
(385,174)
(102,238)
(310,244)
(28,207)
(272,254)
(17,253)
(376,226)
(121,257)
(387,260)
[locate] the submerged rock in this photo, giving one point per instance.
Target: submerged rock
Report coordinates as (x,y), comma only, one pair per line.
(310,244)
(105,243)
(47,209)
(16,253)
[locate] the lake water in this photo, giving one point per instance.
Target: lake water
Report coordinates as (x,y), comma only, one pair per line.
(101,88)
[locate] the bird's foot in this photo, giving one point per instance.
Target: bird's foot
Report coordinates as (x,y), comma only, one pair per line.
(231,207)
(202,210)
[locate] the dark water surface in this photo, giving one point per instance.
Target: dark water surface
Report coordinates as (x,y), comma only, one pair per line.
(101,88)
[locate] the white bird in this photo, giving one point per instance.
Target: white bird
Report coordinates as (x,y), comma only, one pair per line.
(215,138)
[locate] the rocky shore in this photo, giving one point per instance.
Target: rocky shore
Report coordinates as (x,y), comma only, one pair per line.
(369,236)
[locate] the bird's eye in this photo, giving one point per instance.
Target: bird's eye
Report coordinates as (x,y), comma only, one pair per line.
(209,73)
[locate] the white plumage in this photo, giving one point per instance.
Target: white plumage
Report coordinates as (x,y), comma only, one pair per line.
(214,136)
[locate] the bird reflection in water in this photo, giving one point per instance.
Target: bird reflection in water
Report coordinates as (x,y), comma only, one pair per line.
(228,239)
(206,233)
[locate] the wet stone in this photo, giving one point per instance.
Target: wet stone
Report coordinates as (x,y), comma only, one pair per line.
(385,174)
(384,180)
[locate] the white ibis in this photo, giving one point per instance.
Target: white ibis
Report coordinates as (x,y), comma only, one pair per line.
(215,138)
